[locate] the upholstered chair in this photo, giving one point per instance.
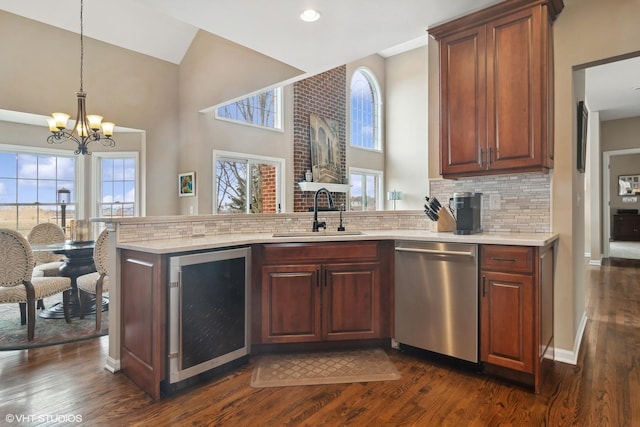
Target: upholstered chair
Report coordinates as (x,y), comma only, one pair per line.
(17,284)
(47,263)
(97,282)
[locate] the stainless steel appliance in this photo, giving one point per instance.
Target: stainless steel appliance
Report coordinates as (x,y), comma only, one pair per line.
(468,209)
(436,297)
(208,311)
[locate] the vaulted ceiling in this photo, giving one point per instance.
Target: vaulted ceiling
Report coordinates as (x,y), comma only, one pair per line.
(346,31)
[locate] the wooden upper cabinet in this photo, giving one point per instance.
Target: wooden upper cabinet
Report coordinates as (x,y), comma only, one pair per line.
(463,92)
(496,89)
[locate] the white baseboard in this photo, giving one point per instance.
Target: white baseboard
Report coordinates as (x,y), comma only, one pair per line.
(595,262)
(571,357)
(112,365)
(587,254)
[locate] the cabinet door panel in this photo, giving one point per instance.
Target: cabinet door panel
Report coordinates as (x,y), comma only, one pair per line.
(462,101)
(351,301)
(290,304)
(143,349)
(514,79)
(507,320)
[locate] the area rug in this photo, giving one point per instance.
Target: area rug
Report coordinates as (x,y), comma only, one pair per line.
(323,368)
(13,335)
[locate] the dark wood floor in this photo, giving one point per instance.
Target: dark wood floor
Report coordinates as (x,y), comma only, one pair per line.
(602,390)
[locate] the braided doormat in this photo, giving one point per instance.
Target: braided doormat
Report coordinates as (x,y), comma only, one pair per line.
(334,367)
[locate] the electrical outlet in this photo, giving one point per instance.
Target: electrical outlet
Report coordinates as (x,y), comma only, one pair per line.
(494,202)
(198,230)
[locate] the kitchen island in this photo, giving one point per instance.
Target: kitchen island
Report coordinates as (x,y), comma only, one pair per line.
(146,241)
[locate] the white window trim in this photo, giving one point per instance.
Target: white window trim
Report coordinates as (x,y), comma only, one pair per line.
(96,177)
(277,120)
(280,164)
(373,80)
(380,175)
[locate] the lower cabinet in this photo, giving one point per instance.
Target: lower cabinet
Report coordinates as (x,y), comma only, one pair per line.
(516,310)
(143,297)
(324,300)
(626,227)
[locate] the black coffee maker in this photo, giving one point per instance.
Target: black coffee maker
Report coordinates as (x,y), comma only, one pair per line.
(467,208)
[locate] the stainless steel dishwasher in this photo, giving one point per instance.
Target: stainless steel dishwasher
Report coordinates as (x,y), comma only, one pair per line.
(436,297)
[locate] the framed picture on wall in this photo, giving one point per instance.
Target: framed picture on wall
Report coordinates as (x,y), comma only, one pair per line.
(628,185)
(187,184)
(583,116)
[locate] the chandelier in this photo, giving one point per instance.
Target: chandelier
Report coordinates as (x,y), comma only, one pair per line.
(87,127)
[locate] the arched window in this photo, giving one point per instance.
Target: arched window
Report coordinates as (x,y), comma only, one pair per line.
(365,110)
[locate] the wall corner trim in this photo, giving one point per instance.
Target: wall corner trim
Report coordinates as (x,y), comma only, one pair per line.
(571,357)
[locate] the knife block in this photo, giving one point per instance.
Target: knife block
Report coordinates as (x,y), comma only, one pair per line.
(446,222)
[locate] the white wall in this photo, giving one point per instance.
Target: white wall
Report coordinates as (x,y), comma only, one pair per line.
(406,125)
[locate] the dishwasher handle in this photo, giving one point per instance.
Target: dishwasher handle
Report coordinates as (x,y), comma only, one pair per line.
(437,252)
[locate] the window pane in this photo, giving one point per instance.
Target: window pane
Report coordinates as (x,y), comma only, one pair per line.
(46,167)
(118,169)
(66,168)
(231,181)
(129,191)
(118,195)
(364,112)
(107,169)
(261,109)
(27,191)
(263,188)
(130,169)
(8,217)
(27,166)
(8,190)
(371,192)
(357,184)
(47,191)
(8,165)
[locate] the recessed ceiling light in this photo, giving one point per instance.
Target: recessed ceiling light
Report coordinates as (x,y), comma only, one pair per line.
(310,15)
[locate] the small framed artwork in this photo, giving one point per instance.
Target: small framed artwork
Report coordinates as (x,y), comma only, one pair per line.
(583,118)
(629,185)
(187,184)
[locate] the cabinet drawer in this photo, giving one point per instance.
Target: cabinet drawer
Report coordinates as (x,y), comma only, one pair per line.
(517,259)
(318,252)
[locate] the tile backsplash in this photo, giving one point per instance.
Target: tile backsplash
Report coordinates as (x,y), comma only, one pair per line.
(525,200)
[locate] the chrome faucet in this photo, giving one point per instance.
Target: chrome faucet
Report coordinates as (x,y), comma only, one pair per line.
(317,225)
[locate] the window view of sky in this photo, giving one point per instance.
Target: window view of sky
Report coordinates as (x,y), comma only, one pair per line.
(30,178)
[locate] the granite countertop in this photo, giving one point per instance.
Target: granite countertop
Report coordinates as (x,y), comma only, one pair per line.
(168,246)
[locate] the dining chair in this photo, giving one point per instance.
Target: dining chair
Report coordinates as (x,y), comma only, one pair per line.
(97,282)
(47,264)
(17,285)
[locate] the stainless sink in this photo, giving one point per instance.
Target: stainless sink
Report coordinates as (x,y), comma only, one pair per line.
(317,233)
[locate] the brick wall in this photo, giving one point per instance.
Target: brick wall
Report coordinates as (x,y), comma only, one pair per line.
(268,188)
(325,95)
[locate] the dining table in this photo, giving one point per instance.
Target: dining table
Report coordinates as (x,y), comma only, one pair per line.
(78,261)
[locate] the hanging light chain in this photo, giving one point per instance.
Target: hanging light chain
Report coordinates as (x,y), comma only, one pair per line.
(81,45)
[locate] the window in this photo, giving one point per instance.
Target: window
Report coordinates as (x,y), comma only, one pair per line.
(365,111)
(262,109)
(247,184)
(29,184)
(366,190)
(117,188)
